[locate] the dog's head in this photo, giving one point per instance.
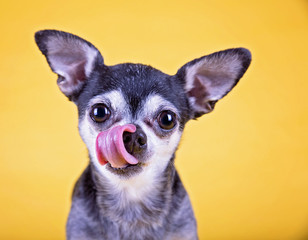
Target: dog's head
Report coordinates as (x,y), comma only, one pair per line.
(131,116)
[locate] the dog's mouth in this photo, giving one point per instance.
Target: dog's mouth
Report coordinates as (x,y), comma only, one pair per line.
(110,150)
(128,170)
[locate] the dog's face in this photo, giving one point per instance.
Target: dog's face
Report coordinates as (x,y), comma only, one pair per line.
(139,95)
(131,116)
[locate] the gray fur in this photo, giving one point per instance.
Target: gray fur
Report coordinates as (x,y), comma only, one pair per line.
(97,212)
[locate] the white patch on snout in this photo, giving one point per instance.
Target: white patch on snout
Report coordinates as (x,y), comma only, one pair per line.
(159,150)
(117,104)
(162,148)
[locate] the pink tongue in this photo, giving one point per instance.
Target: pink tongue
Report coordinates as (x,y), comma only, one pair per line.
(110,147)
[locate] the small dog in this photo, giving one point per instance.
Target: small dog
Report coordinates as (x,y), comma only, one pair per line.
(131,117)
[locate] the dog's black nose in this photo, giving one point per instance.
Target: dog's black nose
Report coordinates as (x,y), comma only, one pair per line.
(135,142)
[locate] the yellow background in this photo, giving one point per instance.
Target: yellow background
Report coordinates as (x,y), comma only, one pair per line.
(245,165)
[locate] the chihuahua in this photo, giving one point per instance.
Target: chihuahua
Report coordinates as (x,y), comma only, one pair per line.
(131,118)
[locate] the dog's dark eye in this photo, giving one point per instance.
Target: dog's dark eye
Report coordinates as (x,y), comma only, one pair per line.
(99,113)
(166,120)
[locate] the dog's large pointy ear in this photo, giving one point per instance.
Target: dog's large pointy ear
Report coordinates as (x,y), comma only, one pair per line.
(69,56)
(211,77)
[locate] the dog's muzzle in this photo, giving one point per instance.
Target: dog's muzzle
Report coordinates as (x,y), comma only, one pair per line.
(119,144)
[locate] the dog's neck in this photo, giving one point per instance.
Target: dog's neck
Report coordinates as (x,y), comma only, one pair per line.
(135,202)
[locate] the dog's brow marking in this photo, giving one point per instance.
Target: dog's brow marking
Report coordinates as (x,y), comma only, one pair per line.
(154,102)
(115,98)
